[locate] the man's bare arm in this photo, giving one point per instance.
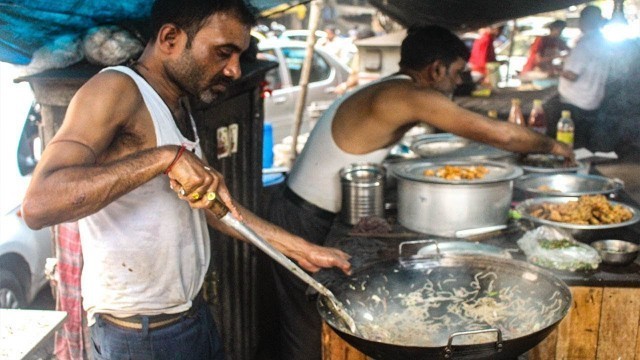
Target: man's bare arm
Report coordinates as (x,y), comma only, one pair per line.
(64,190)
(437,110)
(310,256)
(79,173)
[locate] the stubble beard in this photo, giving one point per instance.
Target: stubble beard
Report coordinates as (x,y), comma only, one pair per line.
(186,73)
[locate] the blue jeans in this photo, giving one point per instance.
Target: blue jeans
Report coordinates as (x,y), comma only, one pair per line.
(193,337)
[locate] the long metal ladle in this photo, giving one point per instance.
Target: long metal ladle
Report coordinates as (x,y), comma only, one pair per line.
(222,212)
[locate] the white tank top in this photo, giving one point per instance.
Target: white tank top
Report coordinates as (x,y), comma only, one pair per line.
(315,175)
(147,252)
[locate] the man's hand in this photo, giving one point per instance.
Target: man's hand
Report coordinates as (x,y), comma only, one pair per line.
(563,150)
(319,257)
(195,182)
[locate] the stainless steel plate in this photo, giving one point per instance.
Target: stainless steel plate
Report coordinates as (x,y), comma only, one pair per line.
(567,184)
(524,207)
(450,147)
(548,164)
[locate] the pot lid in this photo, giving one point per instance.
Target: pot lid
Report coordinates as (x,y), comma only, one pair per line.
(448,147)
(497,171)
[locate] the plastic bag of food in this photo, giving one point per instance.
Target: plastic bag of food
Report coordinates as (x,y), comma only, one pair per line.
(64,51)
(110,45)
(556,249)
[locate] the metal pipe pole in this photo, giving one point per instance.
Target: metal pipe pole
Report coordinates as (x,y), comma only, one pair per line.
(512,37)
(314,19)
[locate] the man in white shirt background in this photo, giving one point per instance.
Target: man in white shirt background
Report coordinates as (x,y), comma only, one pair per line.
(584,76)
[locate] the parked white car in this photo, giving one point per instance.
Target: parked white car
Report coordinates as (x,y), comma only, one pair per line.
(23,252)
(301,35)
(326,73)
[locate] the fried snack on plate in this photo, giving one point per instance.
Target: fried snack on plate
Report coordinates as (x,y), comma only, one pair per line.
(450,172)
(587,210)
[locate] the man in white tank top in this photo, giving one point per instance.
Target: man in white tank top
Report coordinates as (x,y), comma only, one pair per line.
(126,162)
(361,127)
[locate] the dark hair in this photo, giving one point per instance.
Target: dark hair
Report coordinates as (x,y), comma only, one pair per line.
(191,15)
(592,13)
(426,44)
(557,24)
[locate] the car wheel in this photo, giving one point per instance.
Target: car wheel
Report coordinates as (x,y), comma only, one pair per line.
(11,293)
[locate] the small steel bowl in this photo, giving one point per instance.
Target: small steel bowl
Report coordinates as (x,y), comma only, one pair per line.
(616,252)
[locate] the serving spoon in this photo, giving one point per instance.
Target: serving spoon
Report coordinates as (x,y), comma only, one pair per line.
(223,214)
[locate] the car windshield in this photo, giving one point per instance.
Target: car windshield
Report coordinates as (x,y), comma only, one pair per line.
(320,70)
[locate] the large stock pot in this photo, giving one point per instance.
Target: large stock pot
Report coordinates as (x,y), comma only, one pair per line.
(433,205)
(450,307)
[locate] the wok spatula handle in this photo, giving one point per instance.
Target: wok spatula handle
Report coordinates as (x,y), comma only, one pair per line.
(222,212)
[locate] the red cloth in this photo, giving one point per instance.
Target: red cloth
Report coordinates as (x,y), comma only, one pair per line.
(482,53)
(71,339)
(545,46)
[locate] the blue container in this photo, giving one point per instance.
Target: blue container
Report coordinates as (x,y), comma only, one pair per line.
(267,157)
(267,146)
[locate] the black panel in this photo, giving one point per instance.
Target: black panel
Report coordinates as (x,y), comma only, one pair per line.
(465,14)
(237,269)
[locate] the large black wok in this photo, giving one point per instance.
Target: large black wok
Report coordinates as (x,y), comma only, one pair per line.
(451,307)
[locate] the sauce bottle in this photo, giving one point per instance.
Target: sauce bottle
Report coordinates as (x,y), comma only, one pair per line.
(537,119)
(515,114)
(566,128)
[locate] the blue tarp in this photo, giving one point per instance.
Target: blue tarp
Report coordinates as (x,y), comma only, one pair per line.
(27,25)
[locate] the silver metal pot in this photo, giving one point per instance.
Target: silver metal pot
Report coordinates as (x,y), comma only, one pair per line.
(433,205)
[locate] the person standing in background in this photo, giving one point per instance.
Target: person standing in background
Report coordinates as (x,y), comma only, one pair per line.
(584,76)
(483,51)
(545,49)
(335,45)
(354,65)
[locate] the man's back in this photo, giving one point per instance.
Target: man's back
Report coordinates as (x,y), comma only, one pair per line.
(589,61)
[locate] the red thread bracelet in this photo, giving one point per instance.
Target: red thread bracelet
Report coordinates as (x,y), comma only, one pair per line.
(175,159)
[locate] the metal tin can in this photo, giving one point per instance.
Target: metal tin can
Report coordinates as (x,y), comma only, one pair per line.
(362,191)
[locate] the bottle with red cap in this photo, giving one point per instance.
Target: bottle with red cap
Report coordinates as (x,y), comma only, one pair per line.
(537,119)
(515,114)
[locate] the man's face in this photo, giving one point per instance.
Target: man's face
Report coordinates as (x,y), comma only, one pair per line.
(452,78)
(212,62)
(496,31)
(330,34)
(555,32)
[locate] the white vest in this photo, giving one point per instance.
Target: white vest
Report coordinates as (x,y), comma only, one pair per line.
(147,252)
(315,175)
